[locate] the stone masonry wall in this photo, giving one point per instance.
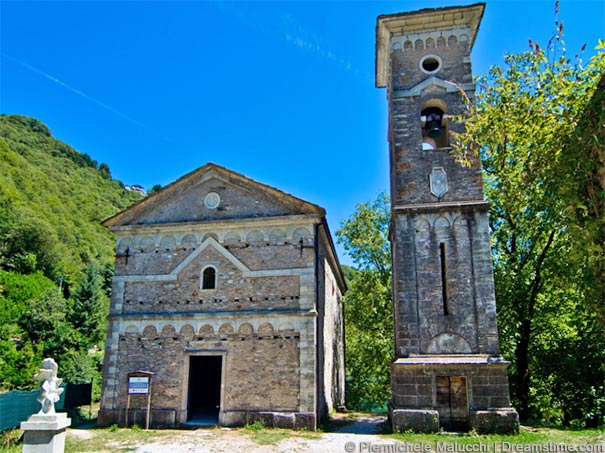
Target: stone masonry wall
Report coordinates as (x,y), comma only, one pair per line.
(415,387)
(332,376)
(272,358)
(410,165)
(406,55)
(160,316)
(470,326)
(233,292)
(186,205)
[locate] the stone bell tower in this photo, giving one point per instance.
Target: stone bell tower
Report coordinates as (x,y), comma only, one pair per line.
(448,372)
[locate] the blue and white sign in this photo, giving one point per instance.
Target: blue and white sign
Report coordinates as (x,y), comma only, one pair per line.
(138,385)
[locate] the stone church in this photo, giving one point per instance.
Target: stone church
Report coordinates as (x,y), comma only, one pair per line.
(229,292)
(448,372)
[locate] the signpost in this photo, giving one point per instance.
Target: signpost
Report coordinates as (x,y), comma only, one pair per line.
(139,383)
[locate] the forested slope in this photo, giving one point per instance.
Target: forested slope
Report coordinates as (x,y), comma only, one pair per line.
(55,257)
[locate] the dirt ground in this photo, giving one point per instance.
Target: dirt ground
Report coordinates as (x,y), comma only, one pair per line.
(346,435)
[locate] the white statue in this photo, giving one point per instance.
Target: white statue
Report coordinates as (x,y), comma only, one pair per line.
(50,392)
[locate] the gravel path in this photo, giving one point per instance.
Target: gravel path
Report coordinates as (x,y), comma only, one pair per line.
(201,441)
(348,433)
(348,436)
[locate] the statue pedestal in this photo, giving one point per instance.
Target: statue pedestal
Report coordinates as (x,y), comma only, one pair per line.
(45,433)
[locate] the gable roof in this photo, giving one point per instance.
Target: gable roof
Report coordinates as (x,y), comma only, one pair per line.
(172,192)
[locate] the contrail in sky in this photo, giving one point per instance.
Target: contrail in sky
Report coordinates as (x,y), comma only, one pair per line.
(295,33)
(80,93)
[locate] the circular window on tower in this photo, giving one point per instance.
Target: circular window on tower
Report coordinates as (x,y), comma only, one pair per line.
(212,200)
(430,64)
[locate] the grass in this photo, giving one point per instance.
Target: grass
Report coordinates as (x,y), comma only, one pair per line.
(112,439)
(528,436)
(9,441)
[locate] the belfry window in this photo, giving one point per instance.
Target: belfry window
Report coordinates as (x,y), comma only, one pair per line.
(434,129)
(209,278)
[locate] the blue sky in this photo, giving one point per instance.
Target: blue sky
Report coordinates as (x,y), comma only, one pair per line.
(282,92)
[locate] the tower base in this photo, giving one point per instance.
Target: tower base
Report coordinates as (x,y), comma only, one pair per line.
(451,392)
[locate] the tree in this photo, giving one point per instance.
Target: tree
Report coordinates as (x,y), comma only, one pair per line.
(583,167)
(44,324)
(52,200)
(104,170)
(87,314)
(154,189)
(538,180)
(18,364)
(368,305)
(31,245)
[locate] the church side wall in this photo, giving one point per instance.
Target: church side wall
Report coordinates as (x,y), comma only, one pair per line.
(332,378)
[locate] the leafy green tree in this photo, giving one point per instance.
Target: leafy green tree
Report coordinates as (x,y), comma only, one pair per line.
(31,245)
(44,324)
(154,189)
(15,291)
(79,367)
(367,305)
(19,361)
(521,124)
(19,358)
(105,171)
(582,166)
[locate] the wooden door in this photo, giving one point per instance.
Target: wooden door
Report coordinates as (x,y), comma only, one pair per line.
(452,403)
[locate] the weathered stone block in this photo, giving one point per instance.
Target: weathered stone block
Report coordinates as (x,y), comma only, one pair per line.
(107,417)
(420,421)
(501,421)
(234,418)
(163,417)
(283,420)
(305,421)
(266,418)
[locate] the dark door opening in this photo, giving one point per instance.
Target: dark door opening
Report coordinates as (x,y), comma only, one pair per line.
(452,403)
(204,393)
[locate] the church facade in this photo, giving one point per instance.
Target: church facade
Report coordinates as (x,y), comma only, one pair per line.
(229,292)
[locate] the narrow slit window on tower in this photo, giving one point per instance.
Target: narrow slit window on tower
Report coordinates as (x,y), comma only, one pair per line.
(442,254)
(209,278)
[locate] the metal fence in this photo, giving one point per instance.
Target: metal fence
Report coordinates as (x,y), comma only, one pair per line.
(17,405)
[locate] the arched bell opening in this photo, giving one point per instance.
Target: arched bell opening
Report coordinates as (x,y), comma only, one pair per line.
(434,128)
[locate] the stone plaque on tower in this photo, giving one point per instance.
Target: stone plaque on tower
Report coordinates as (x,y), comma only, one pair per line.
(448,372)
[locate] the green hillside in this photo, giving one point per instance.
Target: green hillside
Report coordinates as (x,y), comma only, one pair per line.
(55,257)
(52,200)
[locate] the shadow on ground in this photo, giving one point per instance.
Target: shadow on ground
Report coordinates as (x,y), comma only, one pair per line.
(354,423)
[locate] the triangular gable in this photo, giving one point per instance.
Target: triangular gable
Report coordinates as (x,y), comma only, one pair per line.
(430,84)
(240,197)
(210,242)
(433,84)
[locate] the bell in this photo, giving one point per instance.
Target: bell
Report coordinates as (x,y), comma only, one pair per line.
(433,125)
